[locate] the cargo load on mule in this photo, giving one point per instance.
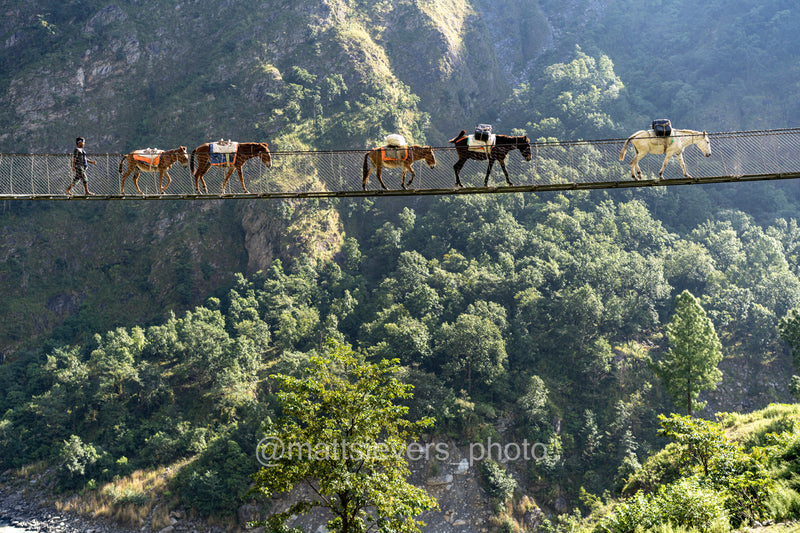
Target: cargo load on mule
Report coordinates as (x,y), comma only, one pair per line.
(662,127)
(148,156)
(395,139)
(396,148)
(223,153)
(482,139)
(483,132)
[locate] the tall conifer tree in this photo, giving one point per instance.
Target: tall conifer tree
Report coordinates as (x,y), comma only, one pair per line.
(690,365)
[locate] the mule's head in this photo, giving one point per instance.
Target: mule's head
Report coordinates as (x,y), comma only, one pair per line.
(183,156)
(430,159)
(524,145)
(265,156)
(705,145)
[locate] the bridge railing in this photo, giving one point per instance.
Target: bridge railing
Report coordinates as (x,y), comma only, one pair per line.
(554,165)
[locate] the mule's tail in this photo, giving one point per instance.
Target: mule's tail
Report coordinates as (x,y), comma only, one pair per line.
(458,137)
(365,168)
(191,161)
(625,147)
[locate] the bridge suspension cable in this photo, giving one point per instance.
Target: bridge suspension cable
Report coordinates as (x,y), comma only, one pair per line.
(567,165)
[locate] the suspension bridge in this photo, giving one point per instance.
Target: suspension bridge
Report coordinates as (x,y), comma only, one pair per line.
(555,166)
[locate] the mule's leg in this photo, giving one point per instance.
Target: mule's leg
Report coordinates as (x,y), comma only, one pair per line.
(413,175)
(488,172)
(457,167)
(124,177)
(136,180)
(227,177)
(503,166)
(378,173)
(663,166)
(241,179)
(636,171)
(202,168)
(683,165)
(160,178)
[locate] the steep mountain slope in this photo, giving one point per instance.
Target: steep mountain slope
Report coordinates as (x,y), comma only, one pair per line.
(299,75)
(571,271)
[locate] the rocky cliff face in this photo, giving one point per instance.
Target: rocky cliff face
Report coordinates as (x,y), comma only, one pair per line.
(152,72)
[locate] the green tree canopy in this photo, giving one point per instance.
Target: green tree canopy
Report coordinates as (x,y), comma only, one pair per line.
(343,435)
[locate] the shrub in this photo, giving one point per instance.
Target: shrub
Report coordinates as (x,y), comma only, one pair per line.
(214,482)
(783,503)
(637,511)
(205,491)
(685,503)
(75,462)
(690,504)
(160,448)
(499,485)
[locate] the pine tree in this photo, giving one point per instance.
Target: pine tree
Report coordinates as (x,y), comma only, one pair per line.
(690,365)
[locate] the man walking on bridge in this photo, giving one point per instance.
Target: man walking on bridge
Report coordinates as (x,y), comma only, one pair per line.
(79,164)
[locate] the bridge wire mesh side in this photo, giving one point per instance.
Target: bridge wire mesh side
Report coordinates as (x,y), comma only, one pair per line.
(766,154)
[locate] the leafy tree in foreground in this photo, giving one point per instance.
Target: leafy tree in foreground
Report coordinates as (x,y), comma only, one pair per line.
(690,366)
(343,435)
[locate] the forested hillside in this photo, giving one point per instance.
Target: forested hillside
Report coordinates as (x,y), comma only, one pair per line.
(141,336)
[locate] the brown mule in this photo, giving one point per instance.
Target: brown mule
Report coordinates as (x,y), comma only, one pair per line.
(165,160)
(394,157)
(244,152)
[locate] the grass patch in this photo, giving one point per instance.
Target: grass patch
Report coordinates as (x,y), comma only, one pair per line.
(750,429)
(129,500)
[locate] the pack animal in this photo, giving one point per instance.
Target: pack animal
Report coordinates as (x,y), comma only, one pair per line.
(502,146)
(395,157)
(152,161)
(646,142)
(244,152)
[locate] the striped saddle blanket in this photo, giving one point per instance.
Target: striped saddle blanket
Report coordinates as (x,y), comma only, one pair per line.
(223,152)
(476,145)
(148,156)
